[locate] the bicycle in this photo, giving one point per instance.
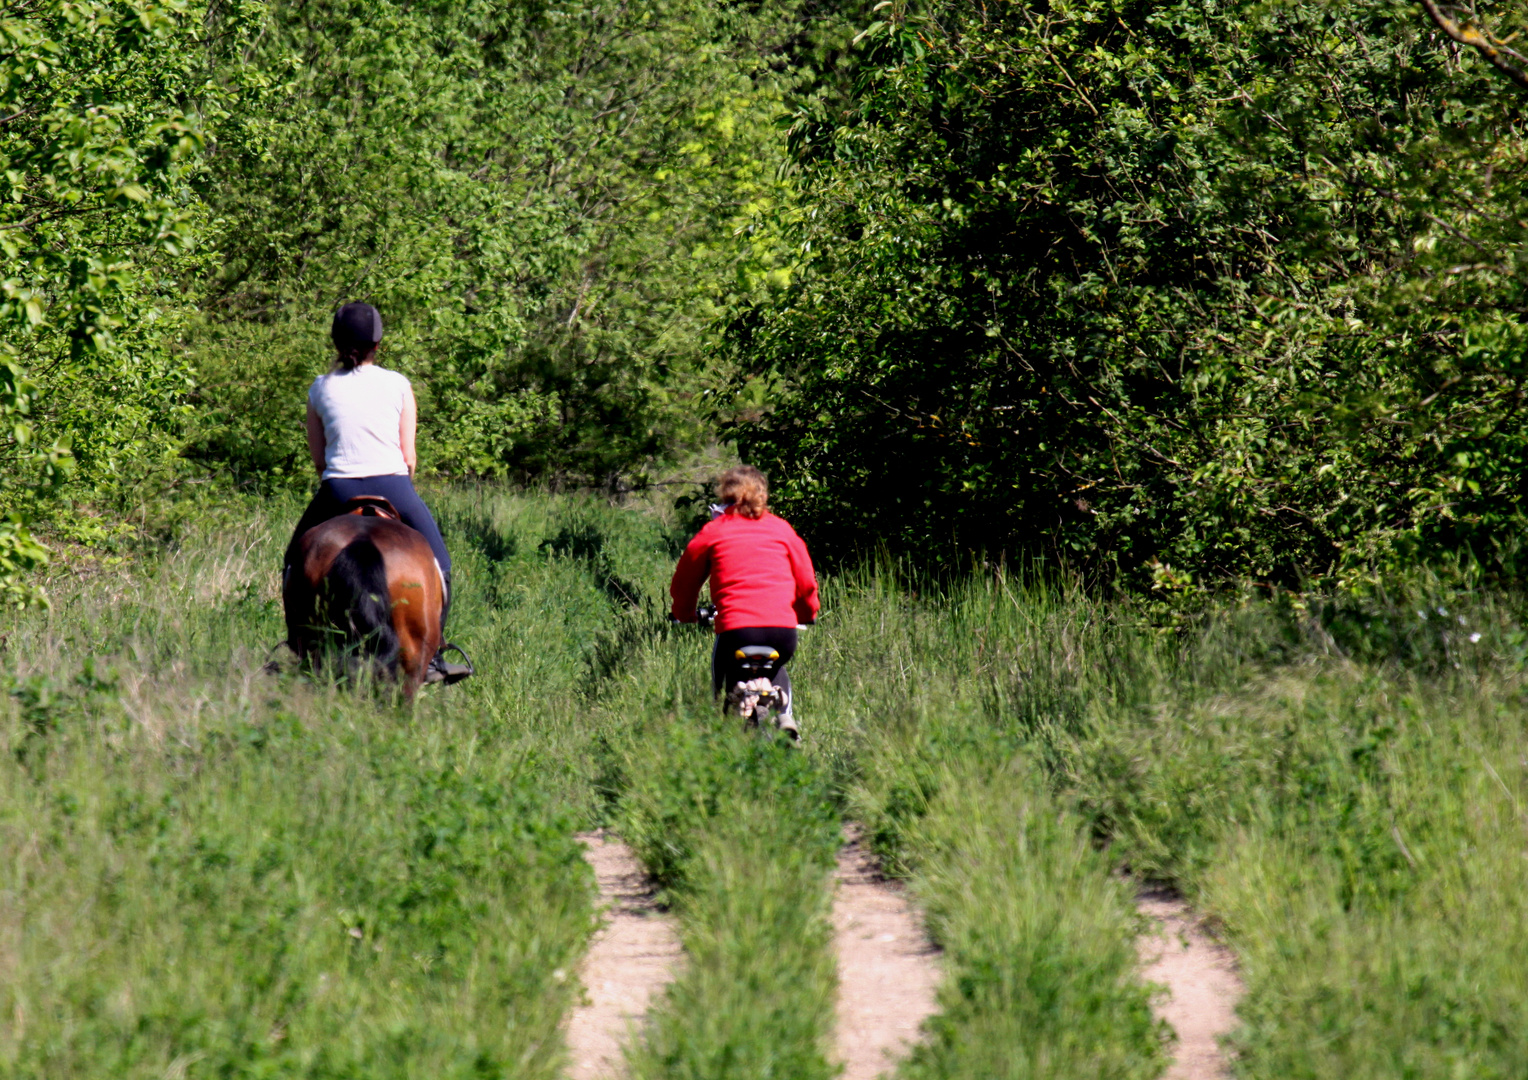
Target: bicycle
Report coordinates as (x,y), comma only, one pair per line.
(750,693)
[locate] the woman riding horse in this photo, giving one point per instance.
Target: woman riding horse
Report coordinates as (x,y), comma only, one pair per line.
(362,421)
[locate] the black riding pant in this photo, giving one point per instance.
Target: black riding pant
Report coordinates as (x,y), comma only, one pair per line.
(334,493)
(724,663)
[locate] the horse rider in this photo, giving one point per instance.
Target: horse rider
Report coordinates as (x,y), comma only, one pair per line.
(761,577)
(362,420)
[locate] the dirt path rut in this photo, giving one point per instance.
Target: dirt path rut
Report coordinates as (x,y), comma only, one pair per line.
(632,957)
(887,970)
(1200,975)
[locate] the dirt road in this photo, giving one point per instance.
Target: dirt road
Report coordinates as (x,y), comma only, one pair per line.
(632,957)
(887,970)
(1203,987)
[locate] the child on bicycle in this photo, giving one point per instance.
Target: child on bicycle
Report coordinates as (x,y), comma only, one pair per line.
(762,582)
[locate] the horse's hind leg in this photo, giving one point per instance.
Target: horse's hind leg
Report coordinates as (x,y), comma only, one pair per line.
(299,603)
(415,595)
(413,659)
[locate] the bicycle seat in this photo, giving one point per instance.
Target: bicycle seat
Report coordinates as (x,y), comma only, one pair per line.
(757,652)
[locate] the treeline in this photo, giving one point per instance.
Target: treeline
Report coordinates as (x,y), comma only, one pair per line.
(551,204)
(1173,292)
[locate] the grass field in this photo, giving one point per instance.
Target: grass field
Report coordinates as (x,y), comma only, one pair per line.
(208,871)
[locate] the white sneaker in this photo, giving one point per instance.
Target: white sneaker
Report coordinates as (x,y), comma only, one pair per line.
(785,718)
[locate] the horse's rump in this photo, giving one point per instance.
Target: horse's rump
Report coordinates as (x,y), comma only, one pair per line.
(368,585)
(354,598)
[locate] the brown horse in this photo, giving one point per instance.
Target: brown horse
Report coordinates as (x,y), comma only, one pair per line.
(365,588)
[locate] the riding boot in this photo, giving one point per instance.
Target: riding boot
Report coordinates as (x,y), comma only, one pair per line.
(440,670)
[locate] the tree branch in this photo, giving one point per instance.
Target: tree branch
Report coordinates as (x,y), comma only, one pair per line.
(1481,43)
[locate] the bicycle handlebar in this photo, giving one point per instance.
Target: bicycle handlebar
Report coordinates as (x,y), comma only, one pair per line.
(705,615)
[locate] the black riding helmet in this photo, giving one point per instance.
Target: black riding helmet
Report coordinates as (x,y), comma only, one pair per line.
(356,326)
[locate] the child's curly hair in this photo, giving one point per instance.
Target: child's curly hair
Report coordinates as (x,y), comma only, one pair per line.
(746,489)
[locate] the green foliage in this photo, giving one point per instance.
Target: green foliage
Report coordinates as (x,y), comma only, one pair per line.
(95,162)
(549,204)
(95,145)
(1173,293)
(1180,291)
(541,200)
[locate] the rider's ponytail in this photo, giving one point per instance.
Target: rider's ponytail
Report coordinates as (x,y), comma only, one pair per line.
(356,331)
(353,356)
(746,489)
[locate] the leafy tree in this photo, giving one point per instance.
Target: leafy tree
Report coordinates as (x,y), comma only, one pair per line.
(95,150)
(1168,290)
(547,202)
(1462,23)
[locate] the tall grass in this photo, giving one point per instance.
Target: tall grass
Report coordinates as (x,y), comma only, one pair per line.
(1358,826)
(1341,786)
(208,871)
(1038,934)
(755,998)
(261,876)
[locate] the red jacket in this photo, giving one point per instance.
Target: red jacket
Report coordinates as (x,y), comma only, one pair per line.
(760,573)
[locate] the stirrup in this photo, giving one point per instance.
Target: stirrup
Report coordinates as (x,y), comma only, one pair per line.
(441,672)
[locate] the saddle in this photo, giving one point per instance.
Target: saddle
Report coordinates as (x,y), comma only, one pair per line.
(371,506)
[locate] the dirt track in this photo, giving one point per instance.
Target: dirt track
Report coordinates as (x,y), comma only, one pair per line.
(1200,975)
(887,970)
(632,957)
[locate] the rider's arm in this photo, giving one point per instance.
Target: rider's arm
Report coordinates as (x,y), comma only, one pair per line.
(408,424)
(691,573)
(316,442)
(806,603)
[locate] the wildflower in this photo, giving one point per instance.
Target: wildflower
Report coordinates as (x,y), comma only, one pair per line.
(1475,637)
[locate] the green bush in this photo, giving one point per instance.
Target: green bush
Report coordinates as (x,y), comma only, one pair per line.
(1168,293)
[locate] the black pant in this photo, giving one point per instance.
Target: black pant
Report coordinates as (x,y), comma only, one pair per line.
(724,664)
(334,493)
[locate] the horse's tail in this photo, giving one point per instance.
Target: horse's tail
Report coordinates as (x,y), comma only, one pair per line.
(359,597)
